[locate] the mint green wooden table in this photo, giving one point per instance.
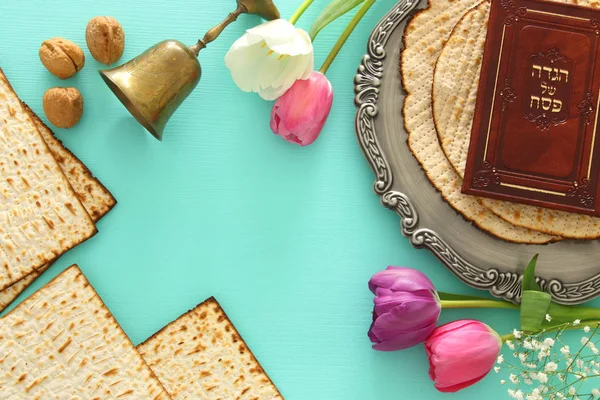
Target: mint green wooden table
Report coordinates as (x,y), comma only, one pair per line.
(285,237)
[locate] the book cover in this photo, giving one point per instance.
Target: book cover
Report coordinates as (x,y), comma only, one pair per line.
(534,135)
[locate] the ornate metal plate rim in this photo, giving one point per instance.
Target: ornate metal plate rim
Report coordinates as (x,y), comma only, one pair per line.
(506,285)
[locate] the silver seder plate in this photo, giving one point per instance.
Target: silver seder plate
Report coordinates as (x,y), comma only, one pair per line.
(569,269)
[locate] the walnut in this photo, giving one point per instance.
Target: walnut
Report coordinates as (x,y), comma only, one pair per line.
(105,39)
(63,106)
(62,57)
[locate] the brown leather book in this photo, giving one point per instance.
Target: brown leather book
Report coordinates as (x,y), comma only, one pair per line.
(535,133)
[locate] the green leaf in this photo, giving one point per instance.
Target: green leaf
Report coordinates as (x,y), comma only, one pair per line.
(529,282)
(534,307)
(333,11)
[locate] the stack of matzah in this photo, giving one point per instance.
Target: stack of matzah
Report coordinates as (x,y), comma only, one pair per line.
(49,200)
(63,343)
(440,68)
(202,356)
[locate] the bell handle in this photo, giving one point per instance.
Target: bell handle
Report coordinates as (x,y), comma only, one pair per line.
(214,33)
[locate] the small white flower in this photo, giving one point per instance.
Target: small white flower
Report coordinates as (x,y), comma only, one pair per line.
(528,381)
(532,365)
(572,391)
(535,395)
(584,340)
(496,369)
(513,378)
(517,333)
(542,377)
(519,395)
(579,363)
(270,57)
(576,322)
(533,375)
(561,377)
(528,344)
(560,395)
(565,350)
(549,342)
(522,357)
(500,359)
(551,366)
(586,329)
(596,392)
(510,344)
(548,317)
(503,382)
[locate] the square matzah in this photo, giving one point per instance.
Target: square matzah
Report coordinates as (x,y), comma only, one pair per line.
(96,199)
(63,343)
(202,356)
(40,215)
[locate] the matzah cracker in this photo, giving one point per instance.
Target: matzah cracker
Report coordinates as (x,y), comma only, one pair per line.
(202,356)
(454,95)
(96,199)
(63,343)
(40,215)
(424,37)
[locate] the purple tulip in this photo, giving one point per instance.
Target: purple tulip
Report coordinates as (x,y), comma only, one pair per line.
(406,309)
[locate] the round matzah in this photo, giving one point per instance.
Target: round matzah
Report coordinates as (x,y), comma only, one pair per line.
(424,37)
(456,79)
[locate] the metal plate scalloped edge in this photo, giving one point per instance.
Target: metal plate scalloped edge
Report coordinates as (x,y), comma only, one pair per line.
(501,282)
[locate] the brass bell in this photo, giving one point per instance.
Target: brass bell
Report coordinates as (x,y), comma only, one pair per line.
(155,83)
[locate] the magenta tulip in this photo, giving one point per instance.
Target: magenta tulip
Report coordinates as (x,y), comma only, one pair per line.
(406,309)
(461,353)
(300,114)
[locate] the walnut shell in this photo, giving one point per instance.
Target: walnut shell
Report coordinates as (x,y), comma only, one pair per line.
(105,39)
(63,106)
(61,57)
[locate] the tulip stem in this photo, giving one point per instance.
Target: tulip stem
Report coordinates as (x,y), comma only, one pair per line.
(346,34)
(477,304)
(298,13)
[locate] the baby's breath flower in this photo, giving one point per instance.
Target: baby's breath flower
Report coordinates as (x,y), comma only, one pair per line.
(586,329)
(596,392)
(548,317)
(513,378)
(561,377)
(496,369)
(576,322)
(522,357)
(510,344)
(579,363)
(549,342)
(528,344)
(565,350)
(535,395)
(517,333)
(502,382)
(542,377)
(551,367)
(572,391)
(500,359)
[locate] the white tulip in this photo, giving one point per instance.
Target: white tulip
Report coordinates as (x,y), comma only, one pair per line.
(269,58)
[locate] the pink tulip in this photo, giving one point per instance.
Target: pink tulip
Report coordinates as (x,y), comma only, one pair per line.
(461,353)
(406,309)
(299,115)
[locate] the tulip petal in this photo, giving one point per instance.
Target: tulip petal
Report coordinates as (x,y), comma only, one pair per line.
(400,279)
(402,341)
(269,58)
(461,353)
